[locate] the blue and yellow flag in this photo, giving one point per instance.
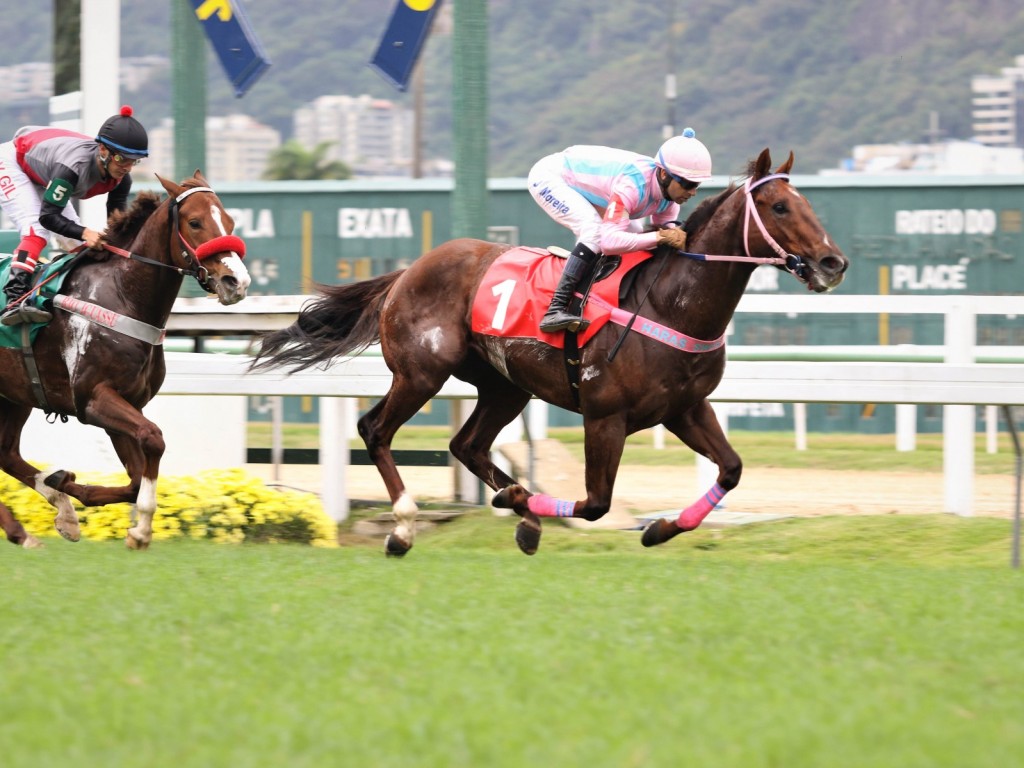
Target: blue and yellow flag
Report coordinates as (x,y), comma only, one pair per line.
(400,47)
(232,37)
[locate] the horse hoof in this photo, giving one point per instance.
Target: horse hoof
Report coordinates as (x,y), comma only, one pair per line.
(31,542)
(56,479)
(528,536)
(503,498)
(395,547)
(69,531)
(511,497)
(659,532)
(136,544)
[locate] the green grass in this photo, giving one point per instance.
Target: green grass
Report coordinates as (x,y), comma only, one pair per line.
(874,641)
(760,449)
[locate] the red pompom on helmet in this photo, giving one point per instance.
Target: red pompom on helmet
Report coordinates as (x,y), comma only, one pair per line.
(124,134)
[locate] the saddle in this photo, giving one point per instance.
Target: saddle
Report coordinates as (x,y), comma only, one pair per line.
(46,283)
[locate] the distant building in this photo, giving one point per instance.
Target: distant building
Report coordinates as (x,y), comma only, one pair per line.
(997,107)
(372,136)
(237,149)
(944,157)
(33,81)
(28,82)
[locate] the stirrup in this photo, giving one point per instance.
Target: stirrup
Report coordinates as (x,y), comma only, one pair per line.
(24,313)
(562,321)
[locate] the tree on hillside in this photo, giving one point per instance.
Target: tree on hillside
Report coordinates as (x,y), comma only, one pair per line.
(293,161)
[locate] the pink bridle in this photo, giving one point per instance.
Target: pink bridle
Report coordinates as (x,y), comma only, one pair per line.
(790,262)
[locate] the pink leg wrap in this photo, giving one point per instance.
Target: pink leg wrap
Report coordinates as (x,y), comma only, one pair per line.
(543,505)
(694,514)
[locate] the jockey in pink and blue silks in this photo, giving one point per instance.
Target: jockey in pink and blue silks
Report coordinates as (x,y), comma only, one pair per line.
(602,193)
(42,171)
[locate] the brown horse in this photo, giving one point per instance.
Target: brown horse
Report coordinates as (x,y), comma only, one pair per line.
(100,358)
(421,316)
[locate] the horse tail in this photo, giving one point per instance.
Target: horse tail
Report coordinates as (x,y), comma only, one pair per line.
(343,320)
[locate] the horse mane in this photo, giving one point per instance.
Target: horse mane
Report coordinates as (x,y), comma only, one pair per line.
(705,210)
(123,226)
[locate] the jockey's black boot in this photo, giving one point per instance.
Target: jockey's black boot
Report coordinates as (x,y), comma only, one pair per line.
(558,318)
(19,282)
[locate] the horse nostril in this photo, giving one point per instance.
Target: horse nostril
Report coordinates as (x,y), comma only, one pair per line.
(834,265)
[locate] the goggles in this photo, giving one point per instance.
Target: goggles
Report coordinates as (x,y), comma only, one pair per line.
(120,159)
(686,184)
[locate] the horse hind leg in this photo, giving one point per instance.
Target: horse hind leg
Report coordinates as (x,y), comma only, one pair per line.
(12,421)
(15,531)
(377,428)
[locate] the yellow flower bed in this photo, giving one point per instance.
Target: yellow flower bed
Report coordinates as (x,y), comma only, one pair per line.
(222,505)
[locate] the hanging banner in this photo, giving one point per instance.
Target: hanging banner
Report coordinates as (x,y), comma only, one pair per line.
(403,39)
(232,37)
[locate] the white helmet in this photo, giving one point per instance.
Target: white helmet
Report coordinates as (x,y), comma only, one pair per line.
(685,157)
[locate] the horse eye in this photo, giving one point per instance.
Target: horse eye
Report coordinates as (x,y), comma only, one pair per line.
(779,207)
(195,223)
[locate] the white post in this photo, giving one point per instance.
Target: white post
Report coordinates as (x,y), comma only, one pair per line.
(537,419)
(335,414)
(800,425)
(658,434)
(467,484)
(101,84)
(276,435)
(906,426)
(992,428)
(958,420)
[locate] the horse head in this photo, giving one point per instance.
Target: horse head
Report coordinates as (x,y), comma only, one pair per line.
(787,224)
(202,239)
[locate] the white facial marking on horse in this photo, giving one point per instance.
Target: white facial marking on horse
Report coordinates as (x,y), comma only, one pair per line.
(590,372)
(236,266)
(215,215)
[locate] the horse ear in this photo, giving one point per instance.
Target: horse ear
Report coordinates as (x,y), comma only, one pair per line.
(198,176)
(786,166)
(763,164)
(172,189)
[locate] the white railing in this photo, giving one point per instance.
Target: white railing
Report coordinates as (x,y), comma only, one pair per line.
(958,383)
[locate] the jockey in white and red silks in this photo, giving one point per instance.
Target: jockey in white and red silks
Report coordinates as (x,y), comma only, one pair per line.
(42,170)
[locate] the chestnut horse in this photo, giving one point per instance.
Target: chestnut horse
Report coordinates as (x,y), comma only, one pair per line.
(101,356)
(421,316)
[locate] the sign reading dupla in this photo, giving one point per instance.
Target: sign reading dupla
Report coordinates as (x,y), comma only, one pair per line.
(404,37)
(232,37)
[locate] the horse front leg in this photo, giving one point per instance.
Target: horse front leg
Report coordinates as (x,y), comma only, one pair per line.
(603,442)
(139,444)
(699,429)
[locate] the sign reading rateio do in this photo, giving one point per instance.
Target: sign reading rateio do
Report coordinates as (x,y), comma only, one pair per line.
(232,37)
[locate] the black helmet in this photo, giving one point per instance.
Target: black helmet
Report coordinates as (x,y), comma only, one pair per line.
(123,133)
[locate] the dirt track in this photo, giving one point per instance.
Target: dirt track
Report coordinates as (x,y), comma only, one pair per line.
(770,491)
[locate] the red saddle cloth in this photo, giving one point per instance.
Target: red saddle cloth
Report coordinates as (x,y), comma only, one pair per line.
(517,289)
